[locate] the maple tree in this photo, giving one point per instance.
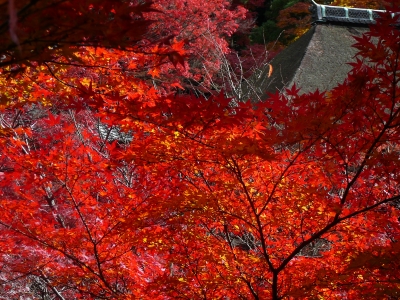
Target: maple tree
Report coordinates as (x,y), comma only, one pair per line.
(81,97)
(204,27)
(112,186)
(41,29)
(295,20)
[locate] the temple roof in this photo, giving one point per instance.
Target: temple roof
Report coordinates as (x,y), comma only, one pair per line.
(318,59)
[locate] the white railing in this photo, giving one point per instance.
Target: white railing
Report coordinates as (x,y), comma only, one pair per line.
(325,13)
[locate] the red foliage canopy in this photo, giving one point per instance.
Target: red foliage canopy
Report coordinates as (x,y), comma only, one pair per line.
(112,187)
